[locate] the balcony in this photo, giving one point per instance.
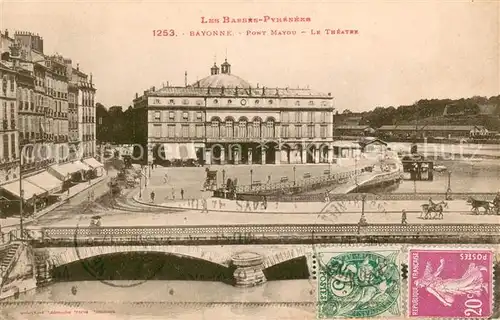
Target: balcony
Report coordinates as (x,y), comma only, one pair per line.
(5,125)
(13,124)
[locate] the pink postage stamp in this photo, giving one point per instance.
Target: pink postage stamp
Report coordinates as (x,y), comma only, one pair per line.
(450,283)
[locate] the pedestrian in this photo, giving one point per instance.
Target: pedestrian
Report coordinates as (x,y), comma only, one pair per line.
(152,196)
(182,194)
(403,217)
(173,194)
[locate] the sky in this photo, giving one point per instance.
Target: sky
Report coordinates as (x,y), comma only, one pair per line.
(403,52)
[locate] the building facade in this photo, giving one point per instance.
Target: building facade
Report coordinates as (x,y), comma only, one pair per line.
(9,152)
(82,113)
(35,117)
(223,119)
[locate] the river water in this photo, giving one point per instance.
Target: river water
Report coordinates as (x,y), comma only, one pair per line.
(166,300)
(472,168)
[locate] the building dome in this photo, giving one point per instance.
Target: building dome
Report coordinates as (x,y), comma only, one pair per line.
(222,80)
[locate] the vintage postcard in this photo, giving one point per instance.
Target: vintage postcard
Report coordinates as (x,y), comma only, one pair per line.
(249,159)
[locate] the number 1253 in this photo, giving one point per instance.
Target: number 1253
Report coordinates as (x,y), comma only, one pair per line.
(164,33)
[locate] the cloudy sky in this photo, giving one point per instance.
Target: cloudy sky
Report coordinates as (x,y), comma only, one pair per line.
(403,52)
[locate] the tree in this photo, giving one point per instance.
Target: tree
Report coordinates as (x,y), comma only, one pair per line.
(103,125)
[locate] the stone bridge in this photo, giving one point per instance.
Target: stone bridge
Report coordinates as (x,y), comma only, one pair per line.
(248,260)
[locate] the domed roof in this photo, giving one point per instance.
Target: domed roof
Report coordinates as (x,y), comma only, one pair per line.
(221,80)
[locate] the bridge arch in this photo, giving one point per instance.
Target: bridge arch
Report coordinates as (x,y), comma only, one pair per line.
(283,256)
(58,257)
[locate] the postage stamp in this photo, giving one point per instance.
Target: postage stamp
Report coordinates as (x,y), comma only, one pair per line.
(359,283)
(450,283)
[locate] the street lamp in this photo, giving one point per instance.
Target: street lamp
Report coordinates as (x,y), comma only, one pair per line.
(21,194)
(223,178)
(294,180)
(448,190)
(251,178)
(140,186)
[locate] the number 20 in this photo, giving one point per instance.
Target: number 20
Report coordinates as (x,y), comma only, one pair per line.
(474,307)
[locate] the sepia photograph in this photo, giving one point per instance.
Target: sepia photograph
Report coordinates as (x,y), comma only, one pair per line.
(274,159)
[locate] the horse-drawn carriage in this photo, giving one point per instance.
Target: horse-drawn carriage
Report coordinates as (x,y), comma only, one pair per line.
(436,208)
(490,207)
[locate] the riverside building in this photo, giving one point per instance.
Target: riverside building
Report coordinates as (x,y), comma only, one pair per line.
(223,119)
(38,160)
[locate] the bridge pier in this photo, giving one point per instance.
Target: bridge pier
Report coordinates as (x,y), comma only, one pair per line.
(42,269)
(249,269)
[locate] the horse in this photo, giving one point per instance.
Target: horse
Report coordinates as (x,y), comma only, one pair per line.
(437,209)
(476,204)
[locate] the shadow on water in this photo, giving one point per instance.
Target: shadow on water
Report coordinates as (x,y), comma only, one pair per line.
(288,270)
(142,266)
(161,266)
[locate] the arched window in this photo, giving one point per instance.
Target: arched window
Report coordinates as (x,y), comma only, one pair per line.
(229,128)
(256,128)
(270,128)
(215,128)
(242,132)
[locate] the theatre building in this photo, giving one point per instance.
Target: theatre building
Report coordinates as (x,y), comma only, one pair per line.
(222,119)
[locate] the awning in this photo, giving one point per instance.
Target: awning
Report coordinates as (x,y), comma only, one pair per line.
(46,181)
(182,151)
(29,189)
(82,165)
(63,171)
(93,163)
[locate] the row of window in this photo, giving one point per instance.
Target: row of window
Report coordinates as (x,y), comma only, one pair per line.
(229,131)
(6,79)
(6,110)
(9,140)
(243,101)
(309,116)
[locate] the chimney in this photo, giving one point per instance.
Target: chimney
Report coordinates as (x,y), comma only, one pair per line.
(136,95)
(185,78)
(208,90)
(168,84)
(257,86)
(90,78)
(263,90)
(222,92)
(78,67)
(250,90)
(6,33)
(236,91)
(154,88)
(329,94)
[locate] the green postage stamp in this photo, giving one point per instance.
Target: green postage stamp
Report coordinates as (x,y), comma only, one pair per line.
(358,283)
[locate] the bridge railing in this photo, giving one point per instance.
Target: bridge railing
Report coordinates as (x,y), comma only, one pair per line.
(124,234)
(304,185)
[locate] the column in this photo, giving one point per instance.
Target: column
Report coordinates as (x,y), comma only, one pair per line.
(330,154)
(208,156)
(316,155)
(222,155)
(277,155)
(263,155)
(236,155)
(304,155)
(250,155)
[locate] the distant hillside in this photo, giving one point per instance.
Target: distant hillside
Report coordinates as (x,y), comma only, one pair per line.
(472,111)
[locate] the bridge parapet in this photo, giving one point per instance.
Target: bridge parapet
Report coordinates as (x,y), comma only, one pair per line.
(124,235)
